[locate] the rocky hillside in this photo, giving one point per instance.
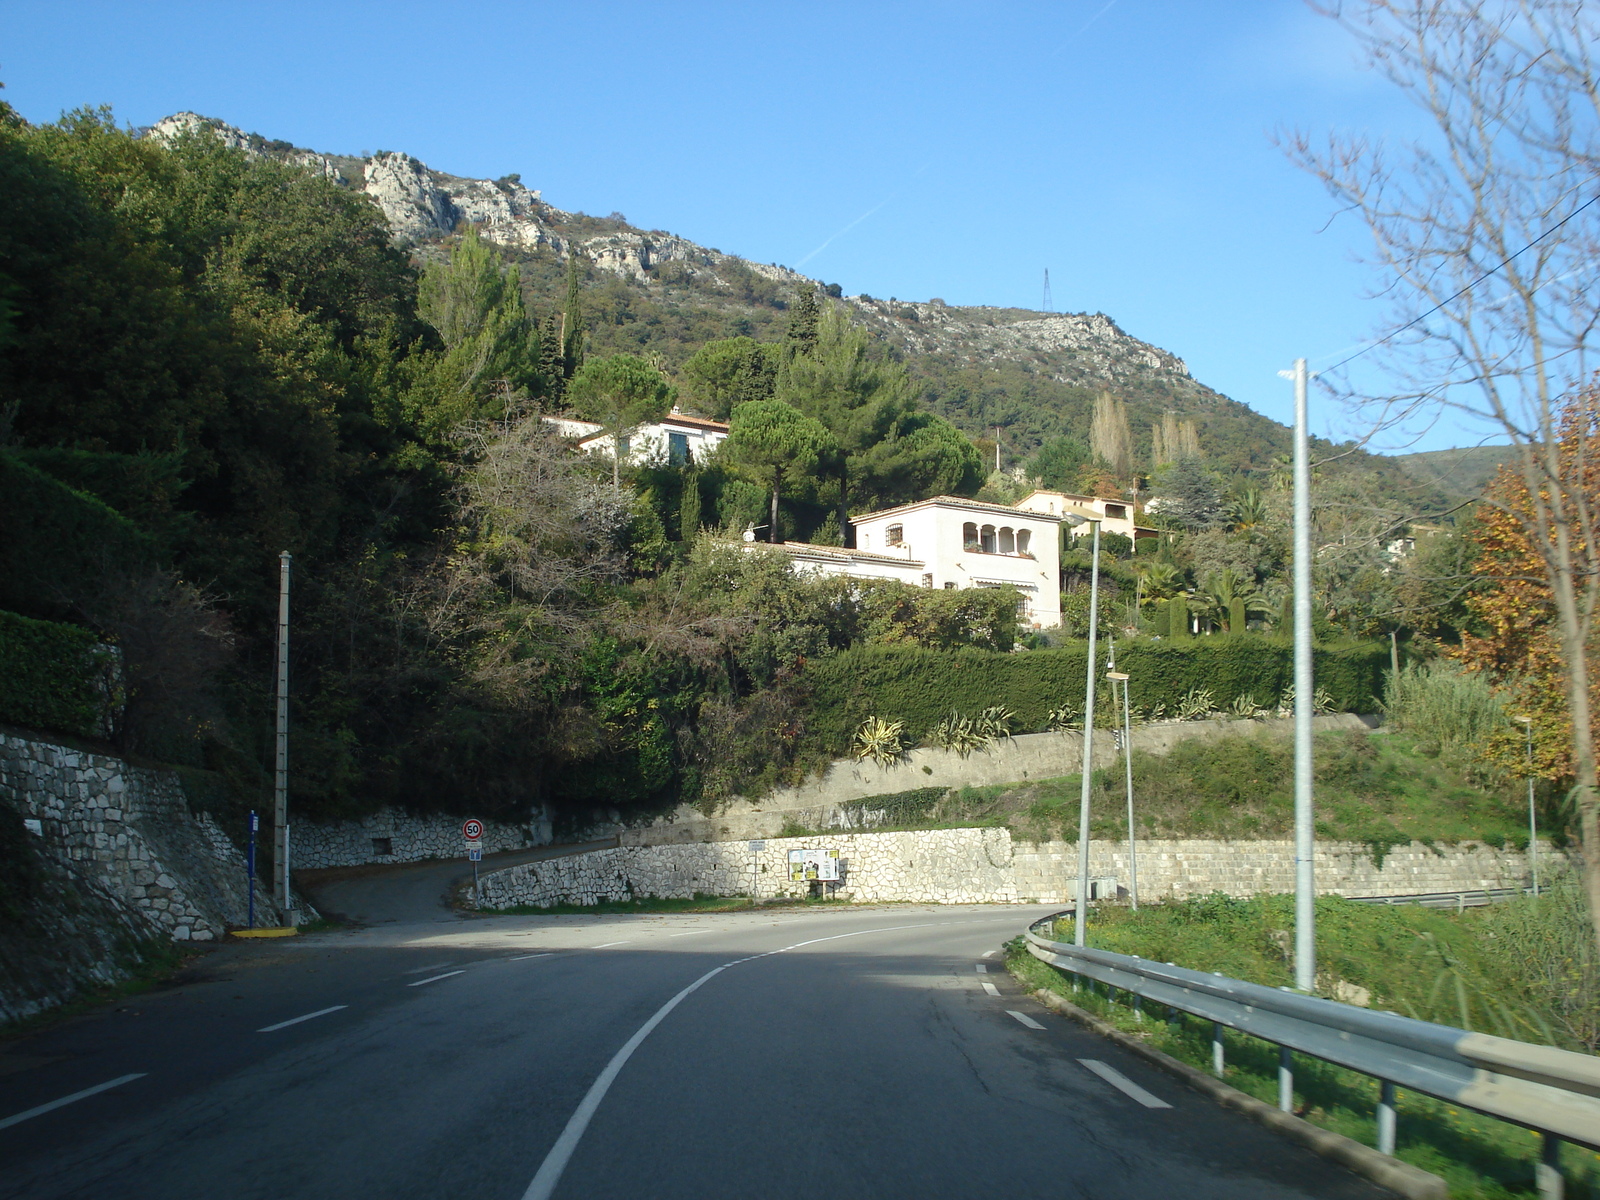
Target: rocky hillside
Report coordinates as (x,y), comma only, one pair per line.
(1032,375)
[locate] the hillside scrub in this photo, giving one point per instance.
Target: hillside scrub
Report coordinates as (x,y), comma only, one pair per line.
(1452,968)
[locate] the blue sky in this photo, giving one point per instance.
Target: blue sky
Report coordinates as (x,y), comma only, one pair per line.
(913,150)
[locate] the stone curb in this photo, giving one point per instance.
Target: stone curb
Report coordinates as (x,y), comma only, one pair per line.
(1399,1177)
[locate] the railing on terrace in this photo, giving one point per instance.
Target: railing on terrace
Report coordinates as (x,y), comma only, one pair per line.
(1554,1092)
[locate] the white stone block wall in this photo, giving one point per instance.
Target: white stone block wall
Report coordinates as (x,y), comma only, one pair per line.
(131,828)
(938,866)
(410,838)
(983,866)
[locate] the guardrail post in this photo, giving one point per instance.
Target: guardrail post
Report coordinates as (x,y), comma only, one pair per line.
(1285,1079)
(1548,1173)
(1386,1117)
(1216,1049)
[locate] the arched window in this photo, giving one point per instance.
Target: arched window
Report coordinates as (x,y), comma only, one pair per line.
(1008,540)
(1024,540)
(894,535)
(969,536)
(986,539)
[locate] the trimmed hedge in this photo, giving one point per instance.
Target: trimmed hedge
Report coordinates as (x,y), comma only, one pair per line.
(920,686)
(54,677)
(57,544)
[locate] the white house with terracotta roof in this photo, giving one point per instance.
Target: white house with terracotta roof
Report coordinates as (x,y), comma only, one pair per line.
(1115,515)
(677,439)
(953,542)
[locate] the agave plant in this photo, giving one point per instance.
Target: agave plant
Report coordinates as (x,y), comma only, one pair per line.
(1321,701)
(1196,705)
(1245,708)
(881,740)
(1065,717)
(994,722)
(958,733)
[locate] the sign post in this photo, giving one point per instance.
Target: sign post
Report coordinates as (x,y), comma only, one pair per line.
(756,847)
(472,830)
(250,860)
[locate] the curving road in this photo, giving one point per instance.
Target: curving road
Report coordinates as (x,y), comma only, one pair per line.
(778,1053)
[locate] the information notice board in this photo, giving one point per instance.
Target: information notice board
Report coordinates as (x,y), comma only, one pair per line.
(813,865)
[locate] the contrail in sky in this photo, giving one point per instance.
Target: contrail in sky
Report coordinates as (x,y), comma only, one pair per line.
(833,237)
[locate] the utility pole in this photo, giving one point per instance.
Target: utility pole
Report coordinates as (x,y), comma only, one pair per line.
(1305,917)
(280,812)
(1080,908)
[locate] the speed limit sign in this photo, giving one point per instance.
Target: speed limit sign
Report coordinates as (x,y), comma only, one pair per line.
(472,829)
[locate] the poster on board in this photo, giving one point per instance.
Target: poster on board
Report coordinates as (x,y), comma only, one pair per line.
(813,865)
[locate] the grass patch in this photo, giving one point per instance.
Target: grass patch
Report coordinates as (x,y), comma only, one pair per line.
(1454,968)
(152,965)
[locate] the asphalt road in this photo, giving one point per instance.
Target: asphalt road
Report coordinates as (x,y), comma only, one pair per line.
(784,1053)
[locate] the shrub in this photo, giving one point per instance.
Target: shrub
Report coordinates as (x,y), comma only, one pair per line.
(55,677)
(1440,704)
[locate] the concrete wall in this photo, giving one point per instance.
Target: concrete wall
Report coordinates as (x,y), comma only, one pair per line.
(983,866)
(1026,757)
(131,832)
(940,866)
(410,839)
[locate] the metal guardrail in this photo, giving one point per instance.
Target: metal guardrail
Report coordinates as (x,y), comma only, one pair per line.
(1555,1092)
(1472,898)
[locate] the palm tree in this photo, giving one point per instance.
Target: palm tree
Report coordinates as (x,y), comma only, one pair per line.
(1227,601)
(1159,581)
(1248,511)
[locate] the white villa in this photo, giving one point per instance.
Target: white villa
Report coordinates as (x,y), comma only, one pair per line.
(1115,515)
(952,542)
(677,439)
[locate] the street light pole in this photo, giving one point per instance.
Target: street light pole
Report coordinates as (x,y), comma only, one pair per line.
(1127,757)
(1082,905)
(1533,820)
(1305,916)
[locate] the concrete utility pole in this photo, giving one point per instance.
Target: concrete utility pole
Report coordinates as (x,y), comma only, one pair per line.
(1081,907)
(1305,916)
(280,812)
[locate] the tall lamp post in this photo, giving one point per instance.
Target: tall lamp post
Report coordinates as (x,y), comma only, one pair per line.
(1116,676)
(1078,909)
(1533,820)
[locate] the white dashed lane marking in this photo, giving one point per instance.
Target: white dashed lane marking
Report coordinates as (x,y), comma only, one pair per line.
(525,957)
(1024,1018)
(321,1012)
(603,945)
(1122,1083)
(990,988)
(436,978)
(982,970)
(989,953)
(20,1117)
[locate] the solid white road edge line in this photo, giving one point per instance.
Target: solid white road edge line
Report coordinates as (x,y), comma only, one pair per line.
(555,1162)
(990,988)
(436,978)
(321,1012)
(1024,1018)
(66,1100)
(1123,1084)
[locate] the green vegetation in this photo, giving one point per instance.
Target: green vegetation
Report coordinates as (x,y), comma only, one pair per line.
(920,687)
(1373,789)
(54,676)
(1452,968)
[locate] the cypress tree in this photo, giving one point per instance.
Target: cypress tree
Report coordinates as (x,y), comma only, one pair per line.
(802,337)
(572,320)
(1177,617)
(689,508)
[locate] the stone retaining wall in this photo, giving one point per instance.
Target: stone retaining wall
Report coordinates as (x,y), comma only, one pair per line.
(131,831)
(939,866)
(391,836)
(983,866)
(1017,760)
